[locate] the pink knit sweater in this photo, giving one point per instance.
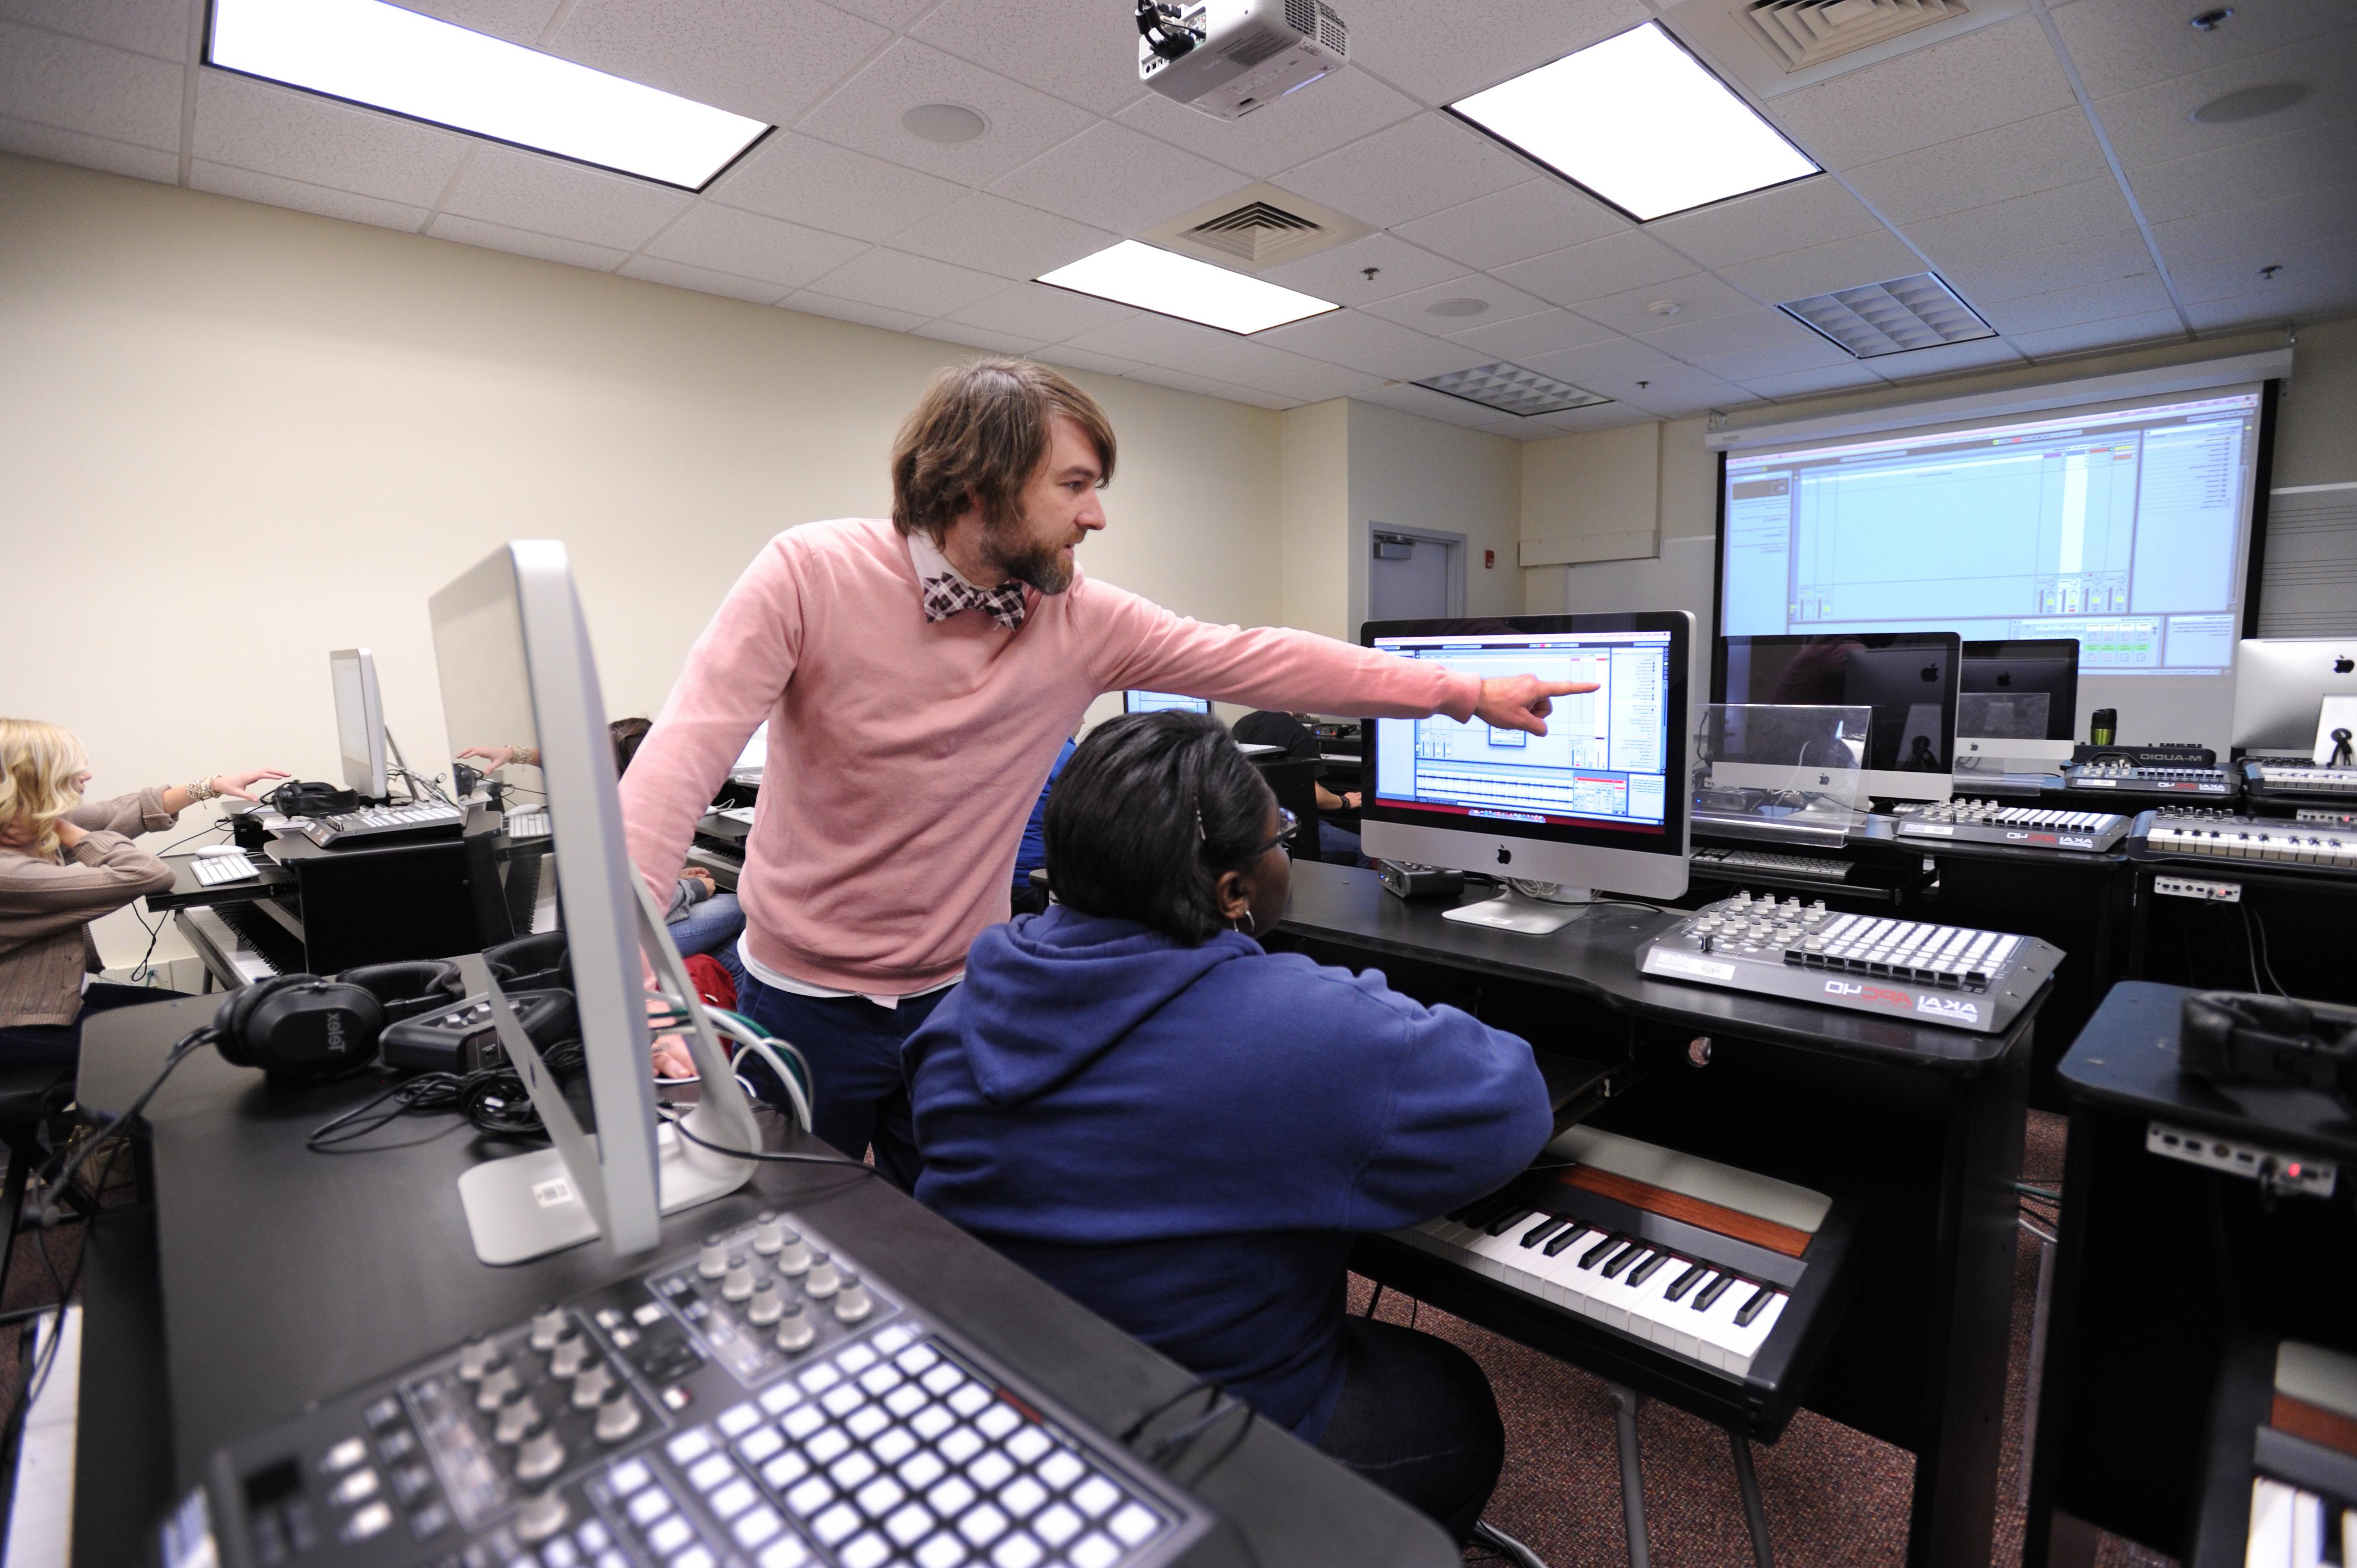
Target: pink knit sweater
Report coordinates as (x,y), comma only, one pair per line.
(904,755)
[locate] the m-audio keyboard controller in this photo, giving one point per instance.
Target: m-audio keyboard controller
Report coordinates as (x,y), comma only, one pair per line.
(2025,827)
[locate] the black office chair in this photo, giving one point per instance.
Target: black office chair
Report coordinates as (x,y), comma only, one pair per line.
(1295,784)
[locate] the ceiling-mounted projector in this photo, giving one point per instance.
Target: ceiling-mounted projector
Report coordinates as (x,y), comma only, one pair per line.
(1229,58)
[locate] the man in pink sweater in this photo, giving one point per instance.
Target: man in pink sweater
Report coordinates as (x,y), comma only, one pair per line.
(918,677)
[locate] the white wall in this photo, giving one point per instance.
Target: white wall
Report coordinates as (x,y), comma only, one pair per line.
(236,437)
(1317,562)
(1410,472)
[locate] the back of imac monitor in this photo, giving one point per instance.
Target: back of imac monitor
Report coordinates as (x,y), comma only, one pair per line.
(1600,801)
(1908,679)
(2018,701)
(360,721)
(2280,685)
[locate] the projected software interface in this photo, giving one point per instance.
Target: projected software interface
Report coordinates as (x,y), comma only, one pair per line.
(1599,765)
(2123,529)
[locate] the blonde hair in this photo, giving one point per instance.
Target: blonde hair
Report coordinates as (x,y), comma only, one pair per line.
(39,765)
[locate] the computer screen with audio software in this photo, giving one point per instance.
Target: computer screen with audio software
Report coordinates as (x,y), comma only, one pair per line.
(2125,525)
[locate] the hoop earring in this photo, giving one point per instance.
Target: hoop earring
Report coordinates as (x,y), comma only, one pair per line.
(1249,926)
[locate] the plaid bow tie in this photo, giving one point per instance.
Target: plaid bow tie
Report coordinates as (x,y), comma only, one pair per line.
(945,596)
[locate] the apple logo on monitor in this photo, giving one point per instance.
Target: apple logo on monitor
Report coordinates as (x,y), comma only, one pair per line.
(1504,854)
(2342,665)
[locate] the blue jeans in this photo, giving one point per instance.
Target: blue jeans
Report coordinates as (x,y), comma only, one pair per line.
(60,1045)
(859,1095)
(709,926)
(1332,840)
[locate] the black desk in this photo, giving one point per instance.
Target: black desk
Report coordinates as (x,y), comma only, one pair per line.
(2160,1264)
(1919,1125)
(285,1276)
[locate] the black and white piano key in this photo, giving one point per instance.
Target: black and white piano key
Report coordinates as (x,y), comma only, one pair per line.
(2294,1528)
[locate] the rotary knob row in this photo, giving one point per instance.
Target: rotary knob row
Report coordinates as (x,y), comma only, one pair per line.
(771,1239)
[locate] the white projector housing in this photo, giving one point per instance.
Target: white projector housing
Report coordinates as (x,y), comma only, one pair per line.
(1250,52)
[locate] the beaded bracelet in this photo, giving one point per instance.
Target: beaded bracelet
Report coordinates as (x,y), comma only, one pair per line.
(202,789)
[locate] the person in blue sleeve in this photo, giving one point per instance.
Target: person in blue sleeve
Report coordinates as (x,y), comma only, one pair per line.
(1033,853)
(1184,1132)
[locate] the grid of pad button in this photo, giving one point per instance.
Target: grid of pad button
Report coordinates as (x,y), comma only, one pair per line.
(1910,949)
(891,1453)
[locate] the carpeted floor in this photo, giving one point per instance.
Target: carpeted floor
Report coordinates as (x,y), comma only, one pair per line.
(1835,1498)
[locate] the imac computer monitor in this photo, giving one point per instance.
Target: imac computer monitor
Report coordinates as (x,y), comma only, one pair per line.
(754,757)
(2280,685)
(1908,679)
(1600,800)
(360,721)
(2019,700)
(1156,701)
(513,654)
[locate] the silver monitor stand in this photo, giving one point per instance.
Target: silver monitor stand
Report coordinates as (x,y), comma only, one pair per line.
(1527,914)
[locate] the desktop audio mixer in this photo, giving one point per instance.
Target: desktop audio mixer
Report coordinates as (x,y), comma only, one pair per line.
(759,1404)
(1914,970)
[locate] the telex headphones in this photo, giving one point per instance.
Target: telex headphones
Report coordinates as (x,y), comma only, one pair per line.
(2230,1037)
(304,1027)
(537,962)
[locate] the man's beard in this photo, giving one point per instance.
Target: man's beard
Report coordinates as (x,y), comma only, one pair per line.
(1027,560)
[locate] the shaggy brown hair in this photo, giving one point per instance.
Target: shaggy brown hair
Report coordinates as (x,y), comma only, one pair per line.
(977,437)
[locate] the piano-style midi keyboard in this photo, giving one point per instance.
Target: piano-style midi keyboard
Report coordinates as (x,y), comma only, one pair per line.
(2268,844)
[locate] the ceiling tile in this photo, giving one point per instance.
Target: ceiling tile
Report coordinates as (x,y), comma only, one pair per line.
(2235,232)
(1085,54)
(1431,405)
(2312,264)
(863,114)
(1682,390)
(1989,166)
(1414,309)
(1418,167)
(1116,178)
(1340,274)
(2153,124)
(1432,357)
(1700,297)
(1514,224)
(1339,335)
(2104,257)
(72,84)
(2122,44)
(811,302)
(159,27)
(1182,381)
(89,152)
(1596,416)
(1556,330)
(978,338)
(1000,236)
(1331,113)
(806,180)
(1756,330)
(1480,45)
(751,246)
(1314,382)
(1821,269)
(768,58)
(525,243)
(1073,359)
(2298,161)
(518,21)
(2152,326)
(1611,368)
(1259,399)
(277,131)
(893,13)
(1245,364)
(1148,339)
(702,280)
(2031,223)
(550,196)
(247,185)
(1812,384)
(2321,299)
(1991,76)
(1814,357)
(1600,268)
(2068,306)
(1946,359)
(1043,314)
(904,282)
(1767,223)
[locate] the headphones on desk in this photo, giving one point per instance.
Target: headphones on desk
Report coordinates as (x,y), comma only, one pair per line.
(2232,1037)
(304,1027)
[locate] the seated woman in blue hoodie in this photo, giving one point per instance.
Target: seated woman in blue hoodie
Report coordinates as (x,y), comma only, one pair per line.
(1184,1132)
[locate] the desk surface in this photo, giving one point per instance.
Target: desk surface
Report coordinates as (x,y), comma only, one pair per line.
(1596,955)
(2125,1060)
(289,1276)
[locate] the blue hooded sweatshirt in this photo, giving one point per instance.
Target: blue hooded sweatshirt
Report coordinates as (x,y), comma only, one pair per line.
(1187,1139)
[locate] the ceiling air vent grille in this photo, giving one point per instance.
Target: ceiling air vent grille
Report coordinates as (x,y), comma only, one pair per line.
(1252,230)
(1878,318)
(1512,390)
(1257,231)
(1803,33)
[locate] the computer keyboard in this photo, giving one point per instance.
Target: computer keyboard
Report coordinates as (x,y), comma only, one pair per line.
(529,823)
(1824,867)
(212,870)
(417,820)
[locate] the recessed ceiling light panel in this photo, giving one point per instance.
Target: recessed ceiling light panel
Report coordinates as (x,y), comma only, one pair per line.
(1640,122)
(1879,319)
(1512,390)
(383,56)
(1173,285)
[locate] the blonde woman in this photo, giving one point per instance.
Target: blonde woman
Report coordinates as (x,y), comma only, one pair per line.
(63,863)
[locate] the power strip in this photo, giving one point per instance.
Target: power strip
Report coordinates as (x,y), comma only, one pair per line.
(2194,887)
(2275,1172)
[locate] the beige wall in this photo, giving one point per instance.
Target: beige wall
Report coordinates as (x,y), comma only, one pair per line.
(2315,422)
(1410,472)
(1316,520)
(237,437)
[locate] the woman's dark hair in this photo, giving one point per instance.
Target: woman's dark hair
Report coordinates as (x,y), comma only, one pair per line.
(627,733)
(1146,816)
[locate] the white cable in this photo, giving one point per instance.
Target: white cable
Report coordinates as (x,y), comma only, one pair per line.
(749,1040)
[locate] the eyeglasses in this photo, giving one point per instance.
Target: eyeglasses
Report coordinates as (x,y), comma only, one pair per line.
(1288,824)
